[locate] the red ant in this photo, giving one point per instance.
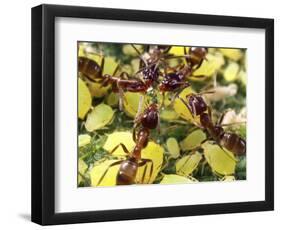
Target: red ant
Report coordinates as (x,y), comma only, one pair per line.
(231,141)
(177,81)
(127,172)
(196,56)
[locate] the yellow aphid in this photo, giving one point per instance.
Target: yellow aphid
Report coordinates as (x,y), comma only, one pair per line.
(173,147)
(193,140)
(131,103)
(129,50)
(176,179)
(84,99)
(82,168)
(110,65)
(135,63)
(210,66)
(110,176)
(233,54)
(96,89)
(177,50)
(242,76)
(116,138)
(186,165)
(99,117)
(231,71)
(168,115)
(112,99)
(221,161)
(228,178)
(84,139)
(180,107)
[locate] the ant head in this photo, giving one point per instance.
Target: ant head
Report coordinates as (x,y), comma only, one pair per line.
(218,130)
(163,48)
(198,52)
(196,104)
(153,106)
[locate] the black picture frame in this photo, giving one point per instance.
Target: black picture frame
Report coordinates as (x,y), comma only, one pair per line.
(43,113)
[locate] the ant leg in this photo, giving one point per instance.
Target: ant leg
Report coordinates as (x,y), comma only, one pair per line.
(124,76)
(162,102)
(144,162)
(219,122)
(116,69)
(134,132)
(139,54)
(121,95)
(102,63)
(123,147)
(178,91)
(139,112)
(187,105)
(105,172)
(158,123)
(210,112)
(143,175)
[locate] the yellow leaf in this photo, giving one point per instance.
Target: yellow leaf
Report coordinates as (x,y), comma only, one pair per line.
(84,99)
(176,179)
(131,103)
(83,139)
(193,140)
(173,147)
(221,161)
(234,54)
(115,139)
(186,165)
(231,72)
(99,117)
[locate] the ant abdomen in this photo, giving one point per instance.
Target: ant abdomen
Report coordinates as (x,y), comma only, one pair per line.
(89,68)
(233,143)
(127,172)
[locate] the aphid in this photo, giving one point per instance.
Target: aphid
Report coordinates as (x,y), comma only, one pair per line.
(231,141)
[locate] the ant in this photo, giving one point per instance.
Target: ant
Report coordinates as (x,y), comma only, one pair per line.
(91,69)
(196,56)
(124,83)
(127,172)
(177,80)
(231,141)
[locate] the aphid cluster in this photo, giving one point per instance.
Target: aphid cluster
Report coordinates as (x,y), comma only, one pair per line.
(155,74)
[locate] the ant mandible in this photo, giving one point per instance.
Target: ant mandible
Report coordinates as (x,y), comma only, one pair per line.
(231,141)
(127,172)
